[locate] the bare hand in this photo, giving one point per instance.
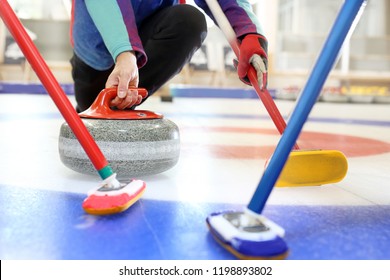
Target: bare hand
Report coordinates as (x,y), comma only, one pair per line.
(125,75)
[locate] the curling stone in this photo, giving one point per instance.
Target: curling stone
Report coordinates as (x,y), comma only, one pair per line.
(134,142)
(334,94)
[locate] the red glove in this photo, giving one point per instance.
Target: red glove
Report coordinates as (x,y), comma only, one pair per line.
(253,50)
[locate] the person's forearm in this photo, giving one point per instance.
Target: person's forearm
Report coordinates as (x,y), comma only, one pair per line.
(118,34)
(239,14)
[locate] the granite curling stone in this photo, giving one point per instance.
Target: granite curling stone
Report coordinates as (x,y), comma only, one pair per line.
(134,142)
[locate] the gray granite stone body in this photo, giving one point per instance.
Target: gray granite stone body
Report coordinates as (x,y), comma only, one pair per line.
(132,147)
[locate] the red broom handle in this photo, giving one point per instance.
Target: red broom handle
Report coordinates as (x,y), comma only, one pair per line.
(262,93)
(52,86)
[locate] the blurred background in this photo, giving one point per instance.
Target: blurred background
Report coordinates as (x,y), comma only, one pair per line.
(296,30)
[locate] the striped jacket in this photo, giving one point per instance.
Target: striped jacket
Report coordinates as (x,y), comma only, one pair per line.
(102,29)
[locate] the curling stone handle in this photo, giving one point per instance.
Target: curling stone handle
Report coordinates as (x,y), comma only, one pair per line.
(100,108)
(106,95)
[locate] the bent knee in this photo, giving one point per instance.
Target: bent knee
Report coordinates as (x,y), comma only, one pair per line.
(191,21)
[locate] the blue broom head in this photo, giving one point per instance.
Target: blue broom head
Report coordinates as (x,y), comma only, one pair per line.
(247,236)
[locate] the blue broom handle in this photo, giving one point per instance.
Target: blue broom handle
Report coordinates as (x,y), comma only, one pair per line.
(324,64)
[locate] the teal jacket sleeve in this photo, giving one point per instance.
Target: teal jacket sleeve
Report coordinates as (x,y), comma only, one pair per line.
(240,15)
(116,23)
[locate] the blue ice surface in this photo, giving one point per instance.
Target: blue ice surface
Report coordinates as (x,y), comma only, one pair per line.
(41,224)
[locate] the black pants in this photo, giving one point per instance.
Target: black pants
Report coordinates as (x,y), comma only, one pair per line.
(170,37)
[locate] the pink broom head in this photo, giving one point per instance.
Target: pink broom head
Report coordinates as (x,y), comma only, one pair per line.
(104,201)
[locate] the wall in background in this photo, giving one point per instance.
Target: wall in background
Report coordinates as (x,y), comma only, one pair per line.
(296,30)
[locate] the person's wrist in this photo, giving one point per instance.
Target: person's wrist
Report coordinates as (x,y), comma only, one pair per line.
(127,55)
